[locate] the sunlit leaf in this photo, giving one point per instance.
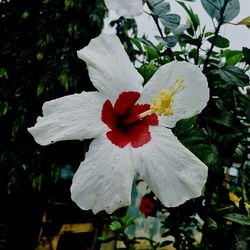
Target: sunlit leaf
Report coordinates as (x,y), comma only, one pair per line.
(234,198)
(244,21)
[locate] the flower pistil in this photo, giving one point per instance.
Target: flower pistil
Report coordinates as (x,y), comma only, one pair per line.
(162,104)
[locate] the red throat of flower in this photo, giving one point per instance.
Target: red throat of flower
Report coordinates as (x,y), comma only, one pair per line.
(124,122)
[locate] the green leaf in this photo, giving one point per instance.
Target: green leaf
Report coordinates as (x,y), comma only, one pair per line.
(168,42)
(147,42)
(246,53)
(219,41)
(225,118)
(159,7)
(4,107)
(25,14)
(147,71)
(152,53)
(233,75)
(239,153)
(137,44)
(212,223)
(115,225)
(213,8)
(180,29)
(232,56)
(171,21)
(183,38)
(194,18)
(127,220)
(166,243)
(40,88)
(3,73)
(105,239)
(186,124)
(238,218)
(195,140)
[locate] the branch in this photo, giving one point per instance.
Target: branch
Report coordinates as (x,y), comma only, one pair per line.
(216,33)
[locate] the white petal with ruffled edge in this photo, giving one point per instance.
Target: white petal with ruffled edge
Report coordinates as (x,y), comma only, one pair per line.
(172,172)
(104,179)
(126,8)
(73,117)
(110,69)
(187,102)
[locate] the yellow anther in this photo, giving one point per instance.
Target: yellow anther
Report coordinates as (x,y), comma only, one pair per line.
(162,104)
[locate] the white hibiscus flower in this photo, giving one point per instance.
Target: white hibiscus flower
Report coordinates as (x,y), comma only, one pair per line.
(126,8)
(128,122)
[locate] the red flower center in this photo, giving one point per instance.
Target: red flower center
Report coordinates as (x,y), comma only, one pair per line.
(124,121)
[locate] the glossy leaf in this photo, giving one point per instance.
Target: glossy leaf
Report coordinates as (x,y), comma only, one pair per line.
(219,41)
(232,56)
(238,218)
(233,75)
(170,21)
(159,7)
(213,8)
(168,42)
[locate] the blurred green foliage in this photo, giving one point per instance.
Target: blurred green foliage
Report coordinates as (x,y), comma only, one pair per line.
(219,136)
(39,40)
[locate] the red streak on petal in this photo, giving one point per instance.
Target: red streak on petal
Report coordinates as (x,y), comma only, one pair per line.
(118,138)
(125,102)
(139,135)
(108,115)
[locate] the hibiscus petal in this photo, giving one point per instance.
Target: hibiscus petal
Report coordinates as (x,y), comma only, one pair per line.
(187,102)
(118,137)
(139,135)
(109,117)
(104,180)
(125,102)
(110,69)
(126,8)
(73,117)
(173,173)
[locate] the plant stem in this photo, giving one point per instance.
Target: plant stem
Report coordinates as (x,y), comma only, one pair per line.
(155,18)
(196,60)
(216,34)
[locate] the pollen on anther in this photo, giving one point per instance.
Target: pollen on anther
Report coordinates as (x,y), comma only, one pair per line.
(162,104)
